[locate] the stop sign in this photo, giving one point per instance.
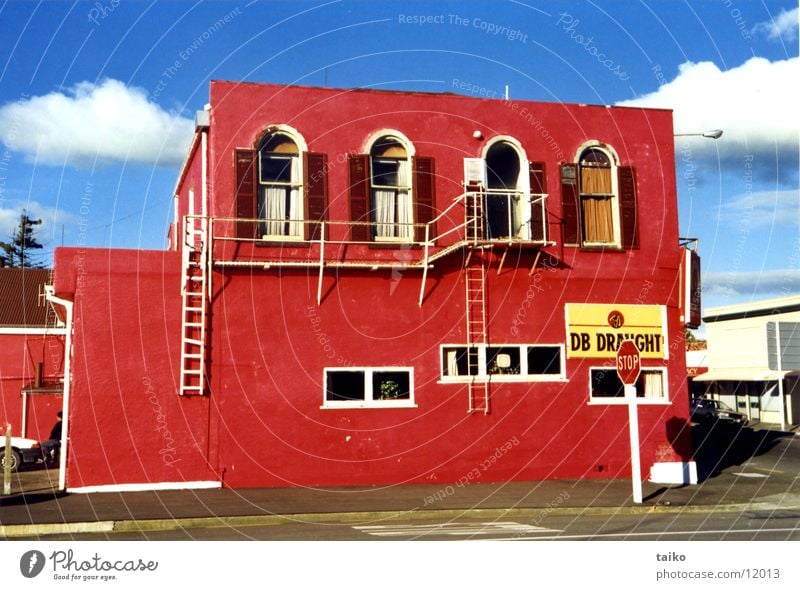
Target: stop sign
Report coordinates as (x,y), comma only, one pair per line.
(628,365)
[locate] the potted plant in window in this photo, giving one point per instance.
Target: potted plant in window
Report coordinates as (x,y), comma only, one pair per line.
(390,389)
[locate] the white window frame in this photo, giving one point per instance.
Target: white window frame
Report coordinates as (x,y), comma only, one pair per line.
(368,402)
(615,212)
(621,401)
(299,185)
(522,209)
(408,187)
(483,376)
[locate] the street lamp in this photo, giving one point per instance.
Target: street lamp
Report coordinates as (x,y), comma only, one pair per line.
(713,134)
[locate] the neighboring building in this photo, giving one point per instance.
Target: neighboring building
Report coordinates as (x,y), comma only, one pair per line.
(375,287)
(31,354)
(696,364)
(739,372)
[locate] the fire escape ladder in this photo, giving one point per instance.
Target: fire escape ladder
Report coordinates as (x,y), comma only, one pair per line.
(194,307)
(474,213)
(476,333)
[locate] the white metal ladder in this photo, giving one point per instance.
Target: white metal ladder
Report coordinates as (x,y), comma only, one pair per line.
(194,307)
(476,333)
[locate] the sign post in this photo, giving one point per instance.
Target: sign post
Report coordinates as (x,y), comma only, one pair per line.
(628,368)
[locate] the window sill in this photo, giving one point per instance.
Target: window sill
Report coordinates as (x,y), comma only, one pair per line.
(394,245)
(602,248)
(363,406)
(621,401)
(287,242)
(505,379)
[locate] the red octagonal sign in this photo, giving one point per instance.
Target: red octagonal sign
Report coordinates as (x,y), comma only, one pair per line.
(628,362)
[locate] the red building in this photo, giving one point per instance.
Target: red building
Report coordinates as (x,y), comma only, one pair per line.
(31,354)
(371,287)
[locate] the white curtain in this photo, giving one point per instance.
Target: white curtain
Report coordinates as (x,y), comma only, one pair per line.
(404,214)
(275,200)
(393,211)
(274,210)
(452,363)
(295,204)
(654,384)
(384,213)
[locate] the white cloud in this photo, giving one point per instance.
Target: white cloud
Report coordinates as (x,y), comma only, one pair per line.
(755,104)
(783,27)
(765,208)
(105,121)
(766,282)
(47,232)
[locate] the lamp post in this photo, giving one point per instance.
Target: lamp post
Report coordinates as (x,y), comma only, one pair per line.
(712,134)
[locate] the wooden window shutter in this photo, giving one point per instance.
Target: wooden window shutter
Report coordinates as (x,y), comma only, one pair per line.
(538,184)
(316,188)
(246,187)
(570,205)
(627,207)
(424,196)
(359,196)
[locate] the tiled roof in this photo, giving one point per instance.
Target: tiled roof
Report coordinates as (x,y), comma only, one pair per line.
(20,305)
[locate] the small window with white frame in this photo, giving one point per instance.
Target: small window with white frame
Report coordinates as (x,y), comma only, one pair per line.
(605,386)
(503,362)
(369,387)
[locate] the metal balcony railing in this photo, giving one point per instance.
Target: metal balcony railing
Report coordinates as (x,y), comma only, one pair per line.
(487,218)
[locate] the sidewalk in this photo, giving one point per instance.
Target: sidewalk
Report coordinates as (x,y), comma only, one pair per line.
(769,481)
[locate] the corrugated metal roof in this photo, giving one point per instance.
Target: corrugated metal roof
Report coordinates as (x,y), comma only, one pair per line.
(20,305)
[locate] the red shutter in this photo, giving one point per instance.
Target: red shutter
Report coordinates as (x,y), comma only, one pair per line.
(316,185)
(627,207)
(570,205)
(424,196)
(538,184)
(245,192)
(359,196)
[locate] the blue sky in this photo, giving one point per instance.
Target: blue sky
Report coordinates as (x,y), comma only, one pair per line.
(97,98)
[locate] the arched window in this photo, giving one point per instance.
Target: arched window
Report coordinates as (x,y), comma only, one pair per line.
(390,190)
(507,210)
(598,200)
(279,201)
(599,208)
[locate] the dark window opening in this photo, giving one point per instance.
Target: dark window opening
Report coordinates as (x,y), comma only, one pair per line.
(502,176)
(544,360)
(345,386)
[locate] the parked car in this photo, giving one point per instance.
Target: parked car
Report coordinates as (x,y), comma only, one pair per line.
(23,450)
(710,411)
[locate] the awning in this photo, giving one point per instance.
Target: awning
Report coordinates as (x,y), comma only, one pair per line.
(743,374)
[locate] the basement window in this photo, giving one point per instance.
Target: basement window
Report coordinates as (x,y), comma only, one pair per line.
(369,387)
(509,362)
(606,387)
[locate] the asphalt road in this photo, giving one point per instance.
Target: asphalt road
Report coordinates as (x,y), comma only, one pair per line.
(689,526)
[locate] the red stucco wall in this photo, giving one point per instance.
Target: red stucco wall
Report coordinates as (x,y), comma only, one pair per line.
(127,423)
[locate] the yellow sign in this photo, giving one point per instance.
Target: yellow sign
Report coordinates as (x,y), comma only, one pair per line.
(596,330)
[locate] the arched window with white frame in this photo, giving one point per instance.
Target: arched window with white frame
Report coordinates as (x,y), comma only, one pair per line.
(390,190)
(280,190)
(598,199)
(599,203)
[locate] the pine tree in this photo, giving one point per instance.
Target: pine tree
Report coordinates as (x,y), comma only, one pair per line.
(17,252)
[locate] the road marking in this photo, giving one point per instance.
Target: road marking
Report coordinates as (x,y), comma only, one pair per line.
(753,475)
(453,529)
(654,534)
